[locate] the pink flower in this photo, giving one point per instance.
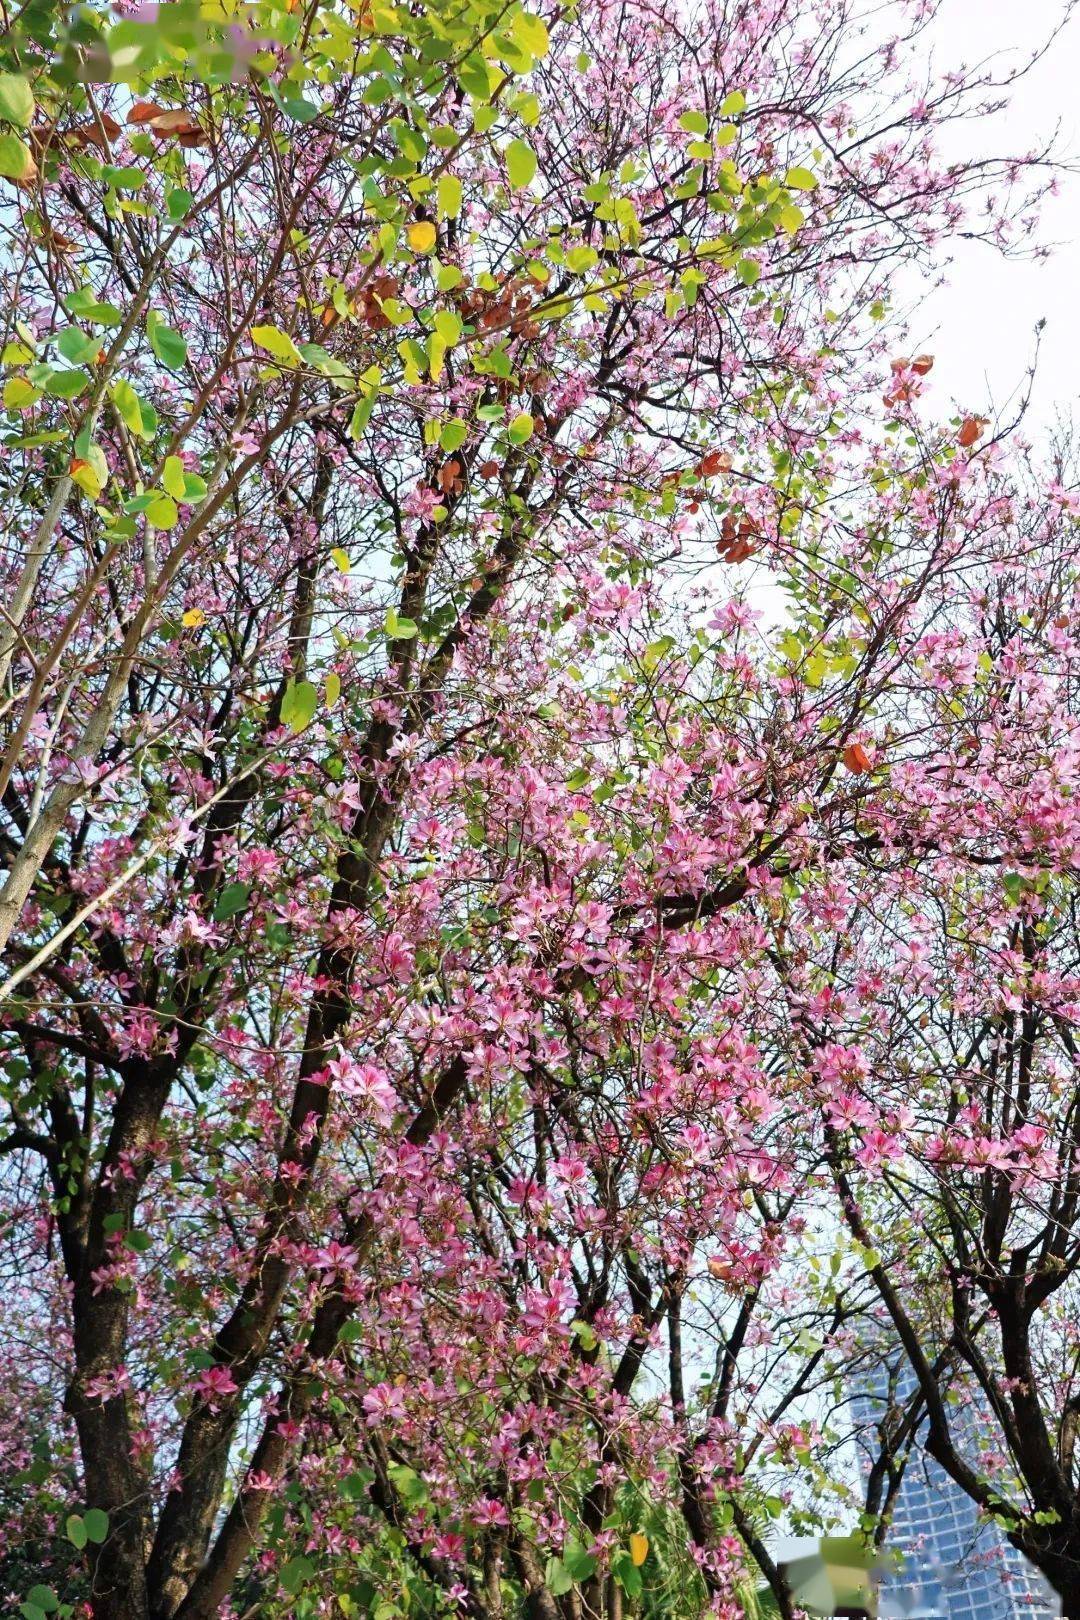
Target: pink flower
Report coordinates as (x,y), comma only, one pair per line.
(384,1403)
(214,1385)
(485,1510)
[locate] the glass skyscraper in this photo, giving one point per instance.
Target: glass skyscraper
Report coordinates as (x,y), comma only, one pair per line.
(955,1565)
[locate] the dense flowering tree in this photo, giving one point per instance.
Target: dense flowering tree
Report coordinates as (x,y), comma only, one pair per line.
(413,1159)
(939,1027)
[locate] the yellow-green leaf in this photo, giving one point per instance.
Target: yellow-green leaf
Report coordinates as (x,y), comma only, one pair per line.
(277,343)
(127,403)
(448,193)
(16,163)
(298,705)
(162,512)
(18,393)
(16,100)
(520,164)
(172,477)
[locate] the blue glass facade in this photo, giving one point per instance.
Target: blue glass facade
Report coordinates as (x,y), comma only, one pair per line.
(955,1567)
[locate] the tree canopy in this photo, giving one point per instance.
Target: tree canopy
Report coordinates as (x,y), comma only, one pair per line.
(493,1030)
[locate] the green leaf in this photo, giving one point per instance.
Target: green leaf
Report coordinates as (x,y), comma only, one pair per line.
(138,1242)
(172,477)
(733,105)
(231,901)
(448,325)
(16,100)
(748,271)
(276,342)
(361,415)
(408,1484)
(695,123)
(82,304)
(453,435)
(76,1531)
(166,343)
(580,1564)
(298,705)
(531,33)
(476,78)
(448,195)
(521,428)
(558,1578)
(800,179)
(75,345)
(582,1331)
(44,1597)
(397,628)
(162,512)
(178,204)
(66,384)
(520,164)
(293,1574)
(16,162)
(123,179)
(627,1574)
(19,392)
(96,1523)
(127,403)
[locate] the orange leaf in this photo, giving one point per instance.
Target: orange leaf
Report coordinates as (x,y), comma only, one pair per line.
(922,363)
(856,758)
(971,430)
(90,134)
(177,122)
(144,111)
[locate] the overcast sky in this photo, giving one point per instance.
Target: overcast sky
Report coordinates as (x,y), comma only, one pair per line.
(980,327)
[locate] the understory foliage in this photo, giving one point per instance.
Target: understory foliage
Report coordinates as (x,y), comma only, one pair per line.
(491,1033)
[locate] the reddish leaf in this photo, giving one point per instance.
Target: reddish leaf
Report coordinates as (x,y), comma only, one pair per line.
(94,133)
(856,758)
(144,112)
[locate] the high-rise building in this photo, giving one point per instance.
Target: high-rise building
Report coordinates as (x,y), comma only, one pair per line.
(956,1566)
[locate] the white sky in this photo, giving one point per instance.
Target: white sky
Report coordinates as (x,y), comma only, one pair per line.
(980,327)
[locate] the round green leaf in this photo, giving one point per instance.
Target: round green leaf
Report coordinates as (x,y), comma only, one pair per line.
(16,100)
(97,1525)
(520,164)
(298,705)
(16,162)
